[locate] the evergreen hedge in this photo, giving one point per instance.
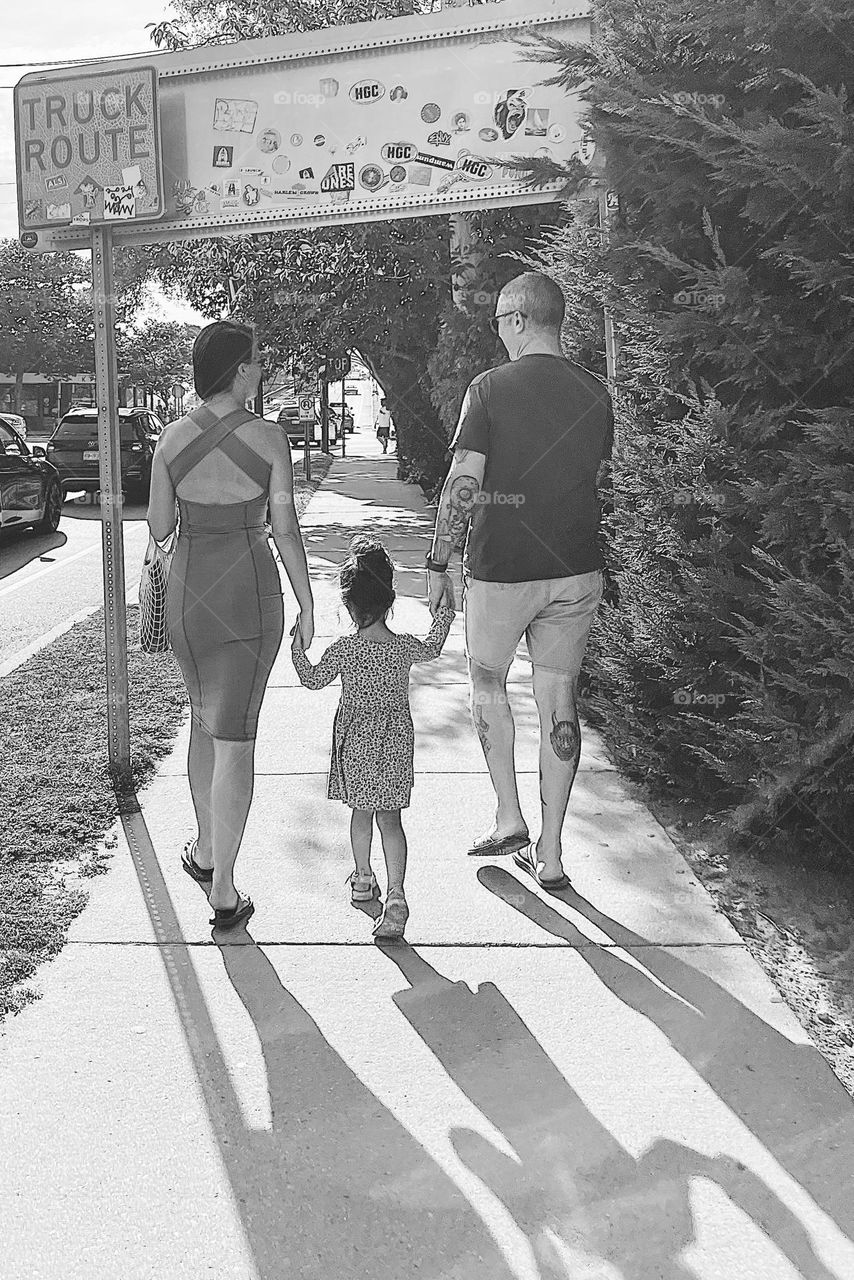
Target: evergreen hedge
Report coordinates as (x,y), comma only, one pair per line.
(723,661)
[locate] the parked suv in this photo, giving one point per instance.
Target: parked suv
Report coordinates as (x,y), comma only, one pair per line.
(289,419)
(73,449)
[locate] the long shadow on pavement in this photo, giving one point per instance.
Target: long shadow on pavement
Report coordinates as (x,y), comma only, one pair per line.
(580,1197)
(785,1093)
(337,1188)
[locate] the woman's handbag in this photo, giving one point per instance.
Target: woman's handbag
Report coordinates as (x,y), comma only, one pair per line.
(153,631)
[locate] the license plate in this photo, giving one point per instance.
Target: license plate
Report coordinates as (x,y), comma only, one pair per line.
(90,455)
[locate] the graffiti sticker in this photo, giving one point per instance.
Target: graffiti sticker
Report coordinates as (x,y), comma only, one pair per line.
(339,177)
(235,115)
(421,175)
(536,122)
(398,152)
(367,91)
(119,203)
(269,141)
(372,177)
(430,112)
(438,162)
(510,111)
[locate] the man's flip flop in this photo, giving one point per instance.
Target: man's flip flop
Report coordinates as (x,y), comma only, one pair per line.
(202,875)
(494,846)
(527,862)
(227,919)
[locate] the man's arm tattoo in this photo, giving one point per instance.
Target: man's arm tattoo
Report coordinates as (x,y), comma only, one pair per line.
(455,510)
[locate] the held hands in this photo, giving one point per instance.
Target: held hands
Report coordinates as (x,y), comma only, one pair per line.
(440,592)
(302,632)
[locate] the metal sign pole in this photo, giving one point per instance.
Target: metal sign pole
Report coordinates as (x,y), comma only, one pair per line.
(110,471)
(343,422)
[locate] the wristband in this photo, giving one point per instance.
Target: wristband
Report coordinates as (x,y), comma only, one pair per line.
(434,566)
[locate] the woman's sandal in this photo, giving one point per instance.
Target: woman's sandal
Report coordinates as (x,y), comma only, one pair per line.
(201,875)
(527,861)
(228,918)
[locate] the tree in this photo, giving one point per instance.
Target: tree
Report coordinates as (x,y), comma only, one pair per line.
(728,661)
(156,355)
(382,289)
(45,317)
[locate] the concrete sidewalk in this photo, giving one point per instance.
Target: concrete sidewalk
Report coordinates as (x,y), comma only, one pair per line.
(596,1085)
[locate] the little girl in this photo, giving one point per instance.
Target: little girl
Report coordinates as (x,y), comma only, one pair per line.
(373,740)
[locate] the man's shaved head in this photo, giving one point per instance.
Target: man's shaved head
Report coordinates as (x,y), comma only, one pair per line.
(537,297)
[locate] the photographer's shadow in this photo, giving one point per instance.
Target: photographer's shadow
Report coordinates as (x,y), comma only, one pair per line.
(785,1093)
(576,1193)
(337,1188)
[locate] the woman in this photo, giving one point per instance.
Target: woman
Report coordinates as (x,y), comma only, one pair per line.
(223,466)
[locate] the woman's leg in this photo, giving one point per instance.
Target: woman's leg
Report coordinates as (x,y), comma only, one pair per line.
(200,765)
(361,834)
(394,847)
(232,786)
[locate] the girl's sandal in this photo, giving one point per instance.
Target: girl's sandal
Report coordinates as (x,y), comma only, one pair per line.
(202,875)
(392,922)
(228,918)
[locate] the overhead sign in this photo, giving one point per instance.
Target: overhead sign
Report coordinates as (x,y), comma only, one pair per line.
(88,148)
(380,120)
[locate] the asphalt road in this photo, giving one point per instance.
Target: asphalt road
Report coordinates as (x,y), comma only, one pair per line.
(47,580)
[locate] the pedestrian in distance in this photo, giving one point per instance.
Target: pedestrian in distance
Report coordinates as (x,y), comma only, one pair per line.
(373,739)
(383,425)
(522,491)
(221,467)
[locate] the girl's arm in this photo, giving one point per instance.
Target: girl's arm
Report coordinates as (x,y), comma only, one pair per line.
(429,648)
(326,670)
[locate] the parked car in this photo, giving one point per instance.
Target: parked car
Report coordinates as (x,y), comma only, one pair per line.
(16,422)
(30,489)
(73,448)
(288,418)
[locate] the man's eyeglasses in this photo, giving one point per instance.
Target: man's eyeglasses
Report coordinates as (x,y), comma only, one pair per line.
(493,323)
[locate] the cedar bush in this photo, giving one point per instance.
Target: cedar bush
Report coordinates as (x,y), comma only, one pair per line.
(723,662)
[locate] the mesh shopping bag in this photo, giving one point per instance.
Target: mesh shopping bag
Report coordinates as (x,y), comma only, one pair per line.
(153,631)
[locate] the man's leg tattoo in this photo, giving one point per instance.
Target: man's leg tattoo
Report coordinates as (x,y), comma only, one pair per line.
(482,729)
(565,738)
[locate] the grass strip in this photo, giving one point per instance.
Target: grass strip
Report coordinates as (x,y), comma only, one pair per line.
(57,802)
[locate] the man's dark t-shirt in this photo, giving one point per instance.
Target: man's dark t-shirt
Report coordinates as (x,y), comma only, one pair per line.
(544,425)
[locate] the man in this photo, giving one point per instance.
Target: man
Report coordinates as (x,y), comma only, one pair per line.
(383,425)
(526,453)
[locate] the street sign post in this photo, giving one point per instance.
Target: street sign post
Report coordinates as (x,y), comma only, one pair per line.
(306,417)
(110,472)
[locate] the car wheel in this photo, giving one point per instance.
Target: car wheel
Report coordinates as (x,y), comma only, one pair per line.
(49,522)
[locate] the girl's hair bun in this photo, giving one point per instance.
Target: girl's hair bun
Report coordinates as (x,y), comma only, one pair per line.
(367,578)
